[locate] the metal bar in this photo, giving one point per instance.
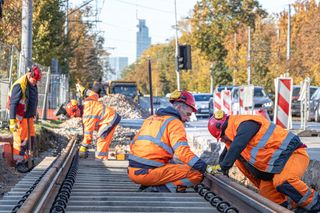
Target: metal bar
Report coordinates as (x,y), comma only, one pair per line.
(241,197)
(150,86)
(44,107)
(33,200)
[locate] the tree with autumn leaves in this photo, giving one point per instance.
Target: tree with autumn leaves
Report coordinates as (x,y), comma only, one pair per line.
(219,40)
(79,52)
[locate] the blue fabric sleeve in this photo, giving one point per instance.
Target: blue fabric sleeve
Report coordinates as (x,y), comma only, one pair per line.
(245,132)
(16,95)
(200,165)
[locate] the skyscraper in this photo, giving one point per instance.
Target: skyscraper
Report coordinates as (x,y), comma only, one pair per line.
(143,39)
(117,64)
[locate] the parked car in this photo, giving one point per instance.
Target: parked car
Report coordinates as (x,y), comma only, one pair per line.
(218,89)
(260,99)
(296,105)
(202,103)
(314,111)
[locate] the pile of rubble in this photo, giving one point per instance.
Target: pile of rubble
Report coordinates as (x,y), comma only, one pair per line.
(124,106)
(122,136)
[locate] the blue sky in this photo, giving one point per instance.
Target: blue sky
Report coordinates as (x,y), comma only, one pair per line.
(119,20)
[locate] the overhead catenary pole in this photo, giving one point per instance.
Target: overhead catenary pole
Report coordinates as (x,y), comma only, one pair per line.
(234,58)
(150,86)
(26,38)
(211,79)
(249,56)
(67,19)
(177,45)
(288,35)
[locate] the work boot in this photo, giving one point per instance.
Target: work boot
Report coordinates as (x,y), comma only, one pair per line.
(315,208)
(142,188)
(181,189)
(161,188)
(22,167)
(83,152)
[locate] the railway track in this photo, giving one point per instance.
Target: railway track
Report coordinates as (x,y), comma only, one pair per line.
(69,184)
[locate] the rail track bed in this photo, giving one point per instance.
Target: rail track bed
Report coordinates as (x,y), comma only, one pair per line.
(70,184)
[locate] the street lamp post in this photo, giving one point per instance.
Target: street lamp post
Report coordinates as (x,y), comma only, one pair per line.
(177,46)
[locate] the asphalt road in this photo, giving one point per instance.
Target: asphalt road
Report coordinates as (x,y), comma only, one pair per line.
(203,122)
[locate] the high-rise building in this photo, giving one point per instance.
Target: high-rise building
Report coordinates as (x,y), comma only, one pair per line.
(143,39)
(116,65)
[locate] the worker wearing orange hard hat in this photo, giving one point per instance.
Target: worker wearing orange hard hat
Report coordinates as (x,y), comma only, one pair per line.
(273,158)
(161,136)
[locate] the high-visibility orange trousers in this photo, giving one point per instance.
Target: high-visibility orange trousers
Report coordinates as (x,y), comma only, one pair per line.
(103,144)
(171,175)
(20,139)
(288,183)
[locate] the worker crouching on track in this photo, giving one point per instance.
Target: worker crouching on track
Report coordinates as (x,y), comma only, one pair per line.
(273,158)
(97,117)
(160,137)
(22,104)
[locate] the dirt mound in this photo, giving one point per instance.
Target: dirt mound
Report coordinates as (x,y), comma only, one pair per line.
(127,108)
(8,177)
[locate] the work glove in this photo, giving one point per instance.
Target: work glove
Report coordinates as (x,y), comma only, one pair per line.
(213,169)
(83,153)
(13,125)
(216,169)
(80,89)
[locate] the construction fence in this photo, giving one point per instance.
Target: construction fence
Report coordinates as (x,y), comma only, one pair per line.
(53,89)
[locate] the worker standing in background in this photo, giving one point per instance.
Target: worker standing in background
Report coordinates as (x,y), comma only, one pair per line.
(98,88)
(99,117)
(160,137)
(273,158)
(22,103)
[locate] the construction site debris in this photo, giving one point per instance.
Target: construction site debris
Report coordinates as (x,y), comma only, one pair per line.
(124,106)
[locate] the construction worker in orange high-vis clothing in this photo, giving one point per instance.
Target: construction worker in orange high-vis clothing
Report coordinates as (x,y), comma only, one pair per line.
(22,104)
(273,158)
(73,109)
(160,137)
(97,117)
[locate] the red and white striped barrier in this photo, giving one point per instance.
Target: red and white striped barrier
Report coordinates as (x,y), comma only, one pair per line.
(246,100)
(217,101)
(282,110)
(263,113)
(226,101)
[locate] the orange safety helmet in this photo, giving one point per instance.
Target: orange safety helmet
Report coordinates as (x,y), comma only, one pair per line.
(74,102)
(216,123)
(35,72)
(185,97)
(73,110)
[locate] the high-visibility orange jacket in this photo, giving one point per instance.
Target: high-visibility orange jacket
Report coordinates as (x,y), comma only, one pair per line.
(269,150)
(74,111)
(22,94)
(160,137)
(97,116)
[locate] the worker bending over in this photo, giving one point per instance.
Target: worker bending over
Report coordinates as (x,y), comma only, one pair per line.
(73,109)
(97,117)
(273,158)
(160,137)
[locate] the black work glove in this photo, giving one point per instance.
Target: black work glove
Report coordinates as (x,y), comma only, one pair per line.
(224,170)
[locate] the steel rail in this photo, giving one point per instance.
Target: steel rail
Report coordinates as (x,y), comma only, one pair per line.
(235,195)
(37,198)
(241,197)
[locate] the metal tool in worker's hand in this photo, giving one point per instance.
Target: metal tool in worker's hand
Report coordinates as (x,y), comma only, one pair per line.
(30,151)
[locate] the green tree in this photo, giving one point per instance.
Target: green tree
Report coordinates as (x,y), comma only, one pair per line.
(213,21)
(48,32)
